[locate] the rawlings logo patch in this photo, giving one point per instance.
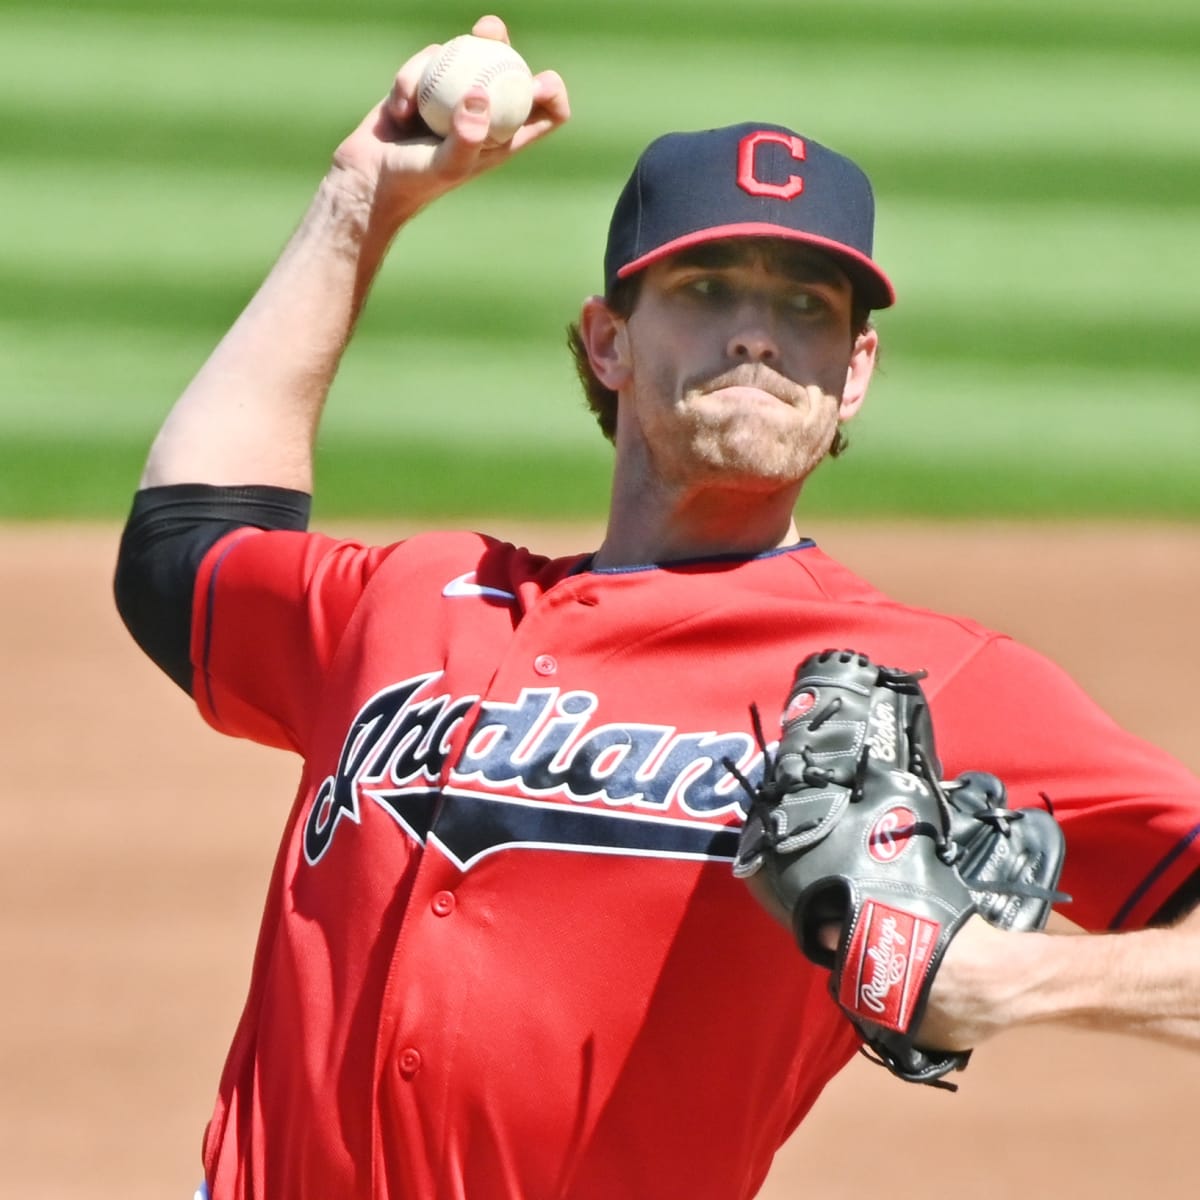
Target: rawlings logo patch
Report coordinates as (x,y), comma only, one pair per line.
(885,963)
(891,834)
(800,705)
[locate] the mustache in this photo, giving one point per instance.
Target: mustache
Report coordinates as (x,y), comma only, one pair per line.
(752,375)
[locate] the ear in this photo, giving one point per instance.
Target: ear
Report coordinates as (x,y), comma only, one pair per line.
(606,339)
(858,373)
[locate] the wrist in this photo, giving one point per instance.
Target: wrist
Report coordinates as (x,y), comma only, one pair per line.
(365,204)
(344,206)
(345,218)
(989,980)
(1021,978)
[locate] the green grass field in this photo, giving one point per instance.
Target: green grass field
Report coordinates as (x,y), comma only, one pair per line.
(1036,171)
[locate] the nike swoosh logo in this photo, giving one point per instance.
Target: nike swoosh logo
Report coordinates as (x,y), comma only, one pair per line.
(465,585)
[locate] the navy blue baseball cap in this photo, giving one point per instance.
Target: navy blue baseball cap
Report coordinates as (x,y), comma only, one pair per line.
(746,181)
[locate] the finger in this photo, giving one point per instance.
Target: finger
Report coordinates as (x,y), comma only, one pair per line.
(551,108)
(401,103)
(829,934)
(550,95)
(460,149)
(492,27)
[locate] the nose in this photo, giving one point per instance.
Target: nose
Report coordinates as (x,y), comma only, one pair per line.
(753,338)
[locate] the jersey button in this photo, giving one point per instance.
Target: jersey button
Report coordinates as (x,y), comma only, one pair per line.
(545,664)
(410,1062)
(443,904)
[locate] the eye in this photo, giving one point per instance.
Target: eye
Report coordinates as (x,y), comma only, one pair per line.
(806,303)
(707,287)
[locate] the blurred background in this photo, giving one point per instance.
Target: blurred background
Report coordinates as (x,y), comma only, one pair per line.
(1035,163)
(1037,173)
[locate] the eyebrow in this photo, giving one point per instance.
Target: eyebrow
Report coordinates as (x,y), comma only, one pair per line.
(796,261)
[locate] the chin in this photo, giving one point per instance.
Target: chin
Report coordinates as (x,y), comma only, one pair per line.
(772,442)
(764,464)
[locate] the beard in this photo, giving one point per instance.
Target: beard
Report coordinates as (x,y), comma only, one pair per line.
(764,443)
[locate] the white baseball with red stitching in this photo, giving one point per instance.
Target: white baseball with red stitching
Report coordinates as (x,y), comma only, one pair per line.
(468,61)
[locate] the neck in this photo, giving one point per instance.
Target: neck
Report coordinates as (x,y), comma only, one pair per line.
(646,528)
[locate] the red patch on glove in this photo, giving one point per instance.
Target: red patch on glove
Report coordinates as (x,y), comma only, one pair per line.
(886,961)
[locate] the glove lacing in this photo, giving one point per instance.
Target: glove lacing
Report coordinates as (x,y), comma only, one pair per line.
(948,850)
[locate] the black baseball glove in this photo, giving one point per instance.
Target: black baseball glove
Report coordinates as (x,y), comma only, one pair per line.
(852,829)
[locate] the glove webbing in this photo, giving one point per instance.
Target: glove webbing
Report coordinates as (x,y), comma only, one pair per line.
(947,849)
(1002,819)
(816,776)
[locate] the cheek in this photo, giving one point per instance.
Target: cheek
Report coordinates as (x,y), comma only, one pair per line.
(828,371)
(657,363)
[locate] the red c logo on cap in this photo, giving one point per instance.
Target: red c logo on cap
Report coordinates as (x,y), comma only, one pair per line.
(749,182)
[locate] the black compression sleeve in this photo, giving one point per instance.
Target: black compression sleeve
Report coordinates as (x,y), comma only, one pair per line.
(169,531)
(1180,904)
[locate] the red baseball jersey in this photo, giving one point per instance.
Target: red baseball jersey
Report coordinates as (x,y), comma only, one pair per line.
(503,953)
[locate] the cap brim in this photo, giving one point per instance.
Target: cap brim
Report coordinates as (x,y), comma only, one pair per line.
(869,282)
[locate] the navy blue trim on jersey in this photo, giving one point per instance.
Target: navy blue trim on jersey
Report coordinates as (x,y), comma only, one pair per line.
(586,564)
(1180,903)
(209,605)
(470,826)
(168,533)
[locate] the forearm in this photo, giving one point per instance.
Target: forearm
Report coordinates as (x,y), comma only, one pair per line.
(250,414)
(1144,984)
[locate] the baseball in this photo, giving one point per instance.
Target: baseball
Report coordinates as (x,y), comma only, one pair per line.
(468,61)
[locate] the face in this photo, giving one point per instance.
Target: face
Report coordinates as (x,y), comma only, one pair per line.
(737,364)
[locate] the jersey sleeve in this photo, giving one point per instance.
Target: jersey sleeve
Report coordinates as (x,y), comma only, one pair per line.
(269,611)
(1130,811)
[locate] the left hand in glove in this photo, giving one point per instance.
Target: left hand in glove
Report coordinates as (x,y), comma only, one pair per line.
(853,829)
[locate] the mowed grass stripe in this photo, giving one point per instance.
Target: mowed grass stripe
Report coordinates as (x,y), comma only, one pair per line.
(85,318)
(1164,26)
(288,92)
(494,392)
(414,477)
(507,232)
(43,478)
(1156,178)
(521,393)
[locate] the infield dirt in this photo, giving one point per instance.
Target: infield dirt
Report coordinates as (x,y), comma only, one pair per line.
(137,844)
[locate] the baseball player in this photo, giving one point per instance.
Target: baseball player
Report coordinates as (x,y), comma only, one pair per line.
(503,952)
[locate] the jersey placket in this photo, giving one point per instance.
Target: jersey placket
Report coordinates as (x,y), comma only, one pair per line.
(425,1015)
